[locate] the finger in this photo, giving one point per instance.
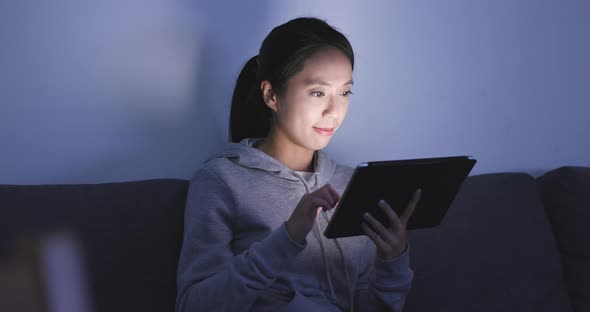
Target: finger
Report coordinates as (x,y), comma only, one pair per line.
(333,193)
(391,214)
(379,242)
(328,193)
(318,202)
(411,207)
(378,227)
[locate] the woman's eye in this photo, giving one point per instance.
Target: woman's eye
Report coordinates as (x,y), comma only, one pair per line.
(346,93)
(317,93)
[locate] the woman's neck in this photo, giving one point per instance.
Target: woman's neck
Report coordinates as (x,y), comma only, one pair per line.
(291,155)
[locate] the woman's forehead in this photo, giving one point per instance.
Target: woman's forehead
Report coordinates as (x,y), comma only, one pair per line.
(327,67)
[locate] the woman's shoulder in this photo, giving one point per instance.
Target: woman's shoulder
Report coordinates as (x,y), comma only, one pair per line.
(216,168)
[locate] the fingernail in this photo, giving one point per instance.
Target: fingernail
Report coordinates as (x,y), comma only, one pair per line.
(381,202)
(366,215)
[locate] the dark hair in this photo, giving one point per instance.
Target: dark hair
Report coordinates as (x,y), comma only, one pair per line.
(280,57)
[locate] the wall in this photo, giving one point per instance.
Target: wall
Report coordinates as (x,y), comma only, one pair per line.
(124,90)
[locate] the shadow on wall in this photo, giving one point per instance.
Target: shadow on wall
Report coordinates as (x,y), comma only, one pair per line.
(232,34)
(175,145)
(122,90)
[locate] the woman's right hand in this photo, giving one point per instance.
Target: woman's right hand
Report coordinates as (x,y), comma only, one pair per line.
(303,217)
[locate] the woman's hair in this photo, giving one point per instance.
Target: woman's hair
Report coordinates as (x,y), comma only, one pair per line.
(280,57)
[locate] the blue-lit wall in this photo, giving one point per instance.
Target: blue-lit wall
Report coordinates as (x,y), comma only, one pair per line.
(129,89)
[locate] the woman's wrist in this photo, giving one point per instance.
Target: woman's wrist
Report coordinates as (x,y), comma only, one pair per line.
(391,255)
(298,239)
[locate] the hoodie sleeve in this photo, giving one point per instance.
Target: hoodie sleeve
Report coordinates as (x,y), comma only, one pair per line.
(210,276)
(385,285)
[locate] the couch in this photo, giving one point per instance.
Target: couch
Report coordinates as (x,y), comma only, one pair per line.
(509,242)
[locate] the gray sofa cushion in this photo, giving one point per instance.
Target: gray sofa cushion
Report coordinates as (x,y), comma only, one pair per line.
(494,251)
(566,195)
(131,234)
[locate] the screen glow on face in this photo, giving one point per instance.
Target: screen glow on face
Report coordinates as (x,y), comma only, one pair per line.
(316,99)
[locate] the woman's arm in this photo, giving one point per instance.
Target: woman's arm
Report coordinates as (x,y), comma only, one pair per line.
(210,276)
(384,286)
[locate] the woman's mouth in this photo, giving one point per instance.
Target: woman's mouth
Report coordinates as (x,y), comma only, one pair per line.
(324,131)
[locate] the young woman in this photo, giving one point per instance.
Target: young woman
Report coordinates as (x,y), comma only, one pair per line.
(255,214)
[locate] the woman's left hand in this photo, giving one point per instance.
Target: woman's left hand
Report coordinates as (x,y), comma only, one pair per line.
(390,241)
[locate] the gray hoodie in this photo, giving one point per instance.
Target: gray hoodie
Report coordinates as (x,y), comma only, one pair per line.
(238,256)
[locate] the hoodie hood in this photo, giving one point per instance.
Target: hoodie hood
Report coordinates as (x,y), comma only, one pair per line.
(245,154)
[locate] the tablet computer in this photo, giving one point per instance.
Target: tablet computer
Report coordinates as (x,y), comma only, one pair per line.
(396,181)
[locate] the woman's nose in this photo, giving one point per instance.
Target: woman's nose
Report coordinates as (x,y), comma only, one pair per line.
(333,109)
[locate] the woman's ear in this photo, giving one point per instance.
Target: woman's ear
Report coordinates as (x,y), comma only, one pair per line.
(268,94)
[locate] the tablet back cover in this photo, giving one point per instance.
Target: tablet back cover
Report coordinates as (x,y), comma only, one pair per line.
(395,181)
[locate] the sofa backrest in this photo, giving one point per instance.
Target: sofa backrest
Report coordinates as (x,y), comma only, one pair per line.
(494,251)
(566,195)
(131,235)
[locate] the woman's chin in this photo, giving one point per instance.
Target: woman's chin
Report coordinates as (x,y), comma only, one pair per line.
(319,144)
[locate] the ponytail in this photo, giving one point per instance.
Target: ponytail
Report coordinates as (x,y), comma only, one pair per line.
(249,116)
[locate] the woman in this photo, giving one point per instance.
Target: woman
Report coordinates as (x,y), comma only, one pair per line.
(255,214)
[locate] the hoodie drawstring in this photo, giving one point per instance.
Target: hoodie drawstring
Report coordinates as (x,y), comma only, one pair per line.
(318,232)
(351,286)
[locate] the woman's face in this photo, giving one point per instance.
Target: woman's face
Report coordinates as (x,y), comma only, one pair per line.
(316,100)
